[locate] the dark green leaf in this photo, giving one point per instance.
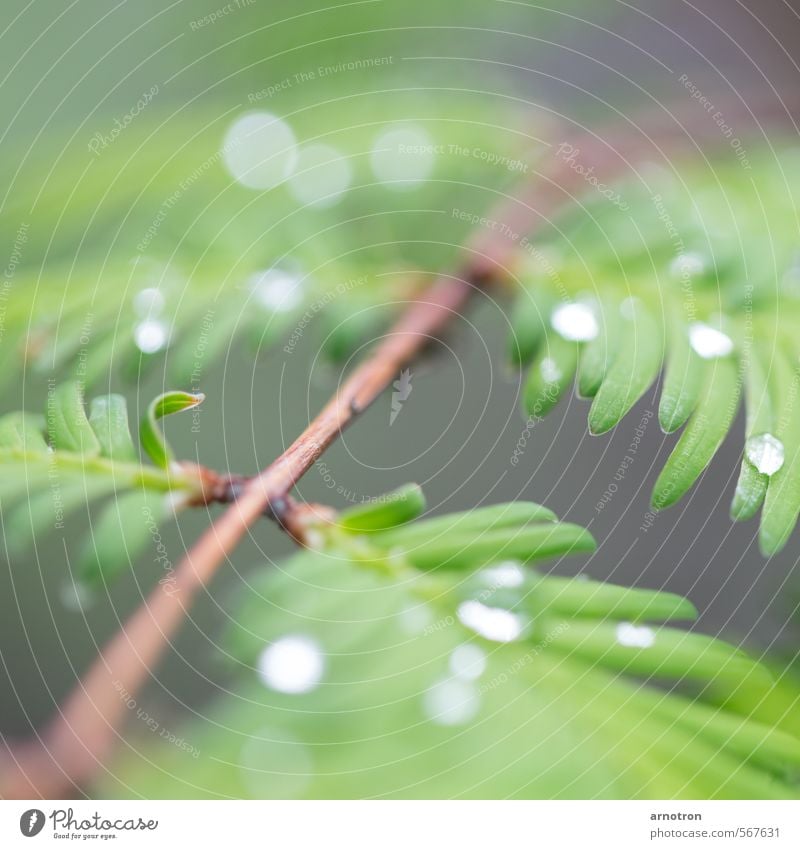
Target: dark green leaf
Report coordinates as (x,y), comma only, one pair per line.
(634,369)
(394,508)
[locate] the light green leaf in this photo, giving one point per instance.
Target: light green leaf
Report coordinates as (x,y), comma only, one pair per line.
(120,534)
(41,488)
(22,432)
(468,549)
(634,369)
(45,510)
(67,425)
(108,416)
(585,598)
(782,502)
(550,376)
(751,486)
(437,686)
(529,325)
(661,653)
(598,354)
(683,380)
(703,435)
(495,517)
(394,508)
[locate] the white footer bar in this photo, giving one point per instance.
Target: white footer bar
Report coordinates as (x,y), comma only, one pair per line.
(401,824)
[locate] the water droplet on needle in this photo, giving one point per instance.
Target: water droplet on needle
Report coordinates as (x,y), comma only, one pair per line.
(292,664)
(493,623)
(635,636)
(708,342)
(765,452)
(259,150)
(575,322)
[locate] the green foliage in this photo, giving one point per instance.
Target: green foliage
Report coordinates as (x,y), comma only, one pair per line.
(360,674)
(64,465)
(693,273)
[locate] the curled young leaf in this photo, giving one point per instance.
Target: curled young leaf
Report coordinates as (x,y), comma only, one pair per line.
(150,434)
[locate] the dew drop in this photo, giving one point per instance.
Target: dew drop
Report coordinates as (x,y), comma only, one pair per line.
(148,302)
(550,371)
(403,156)
(765,452)
(575,322)
(451,702)
(468,662)
(259,150)
(292,664)
(321,176)
(708,342)
(275,765)
(492,623)
(628,306)
(506,574)
(635,636)
(151,335)
(75,596)
(689,264)
(415,619)
(276,289)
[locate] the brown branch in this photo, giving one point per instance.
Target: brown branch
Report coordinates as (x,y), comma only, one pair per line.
(72,747)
